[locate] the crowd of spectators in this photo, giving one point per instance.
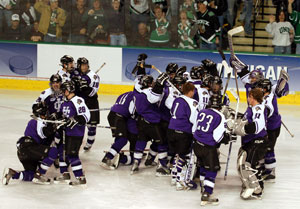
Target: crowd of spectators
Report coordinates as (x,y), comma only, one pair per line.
(186,24)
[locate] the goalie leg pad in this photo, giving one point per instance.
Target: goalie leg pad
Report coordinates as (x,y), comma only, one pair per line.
(247,175)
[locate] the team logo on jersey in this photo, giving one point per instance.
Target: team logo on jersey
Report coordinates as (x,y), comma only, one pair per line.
(65,75)
(204,93)
(43,92)
(195,104)
(95,77)
(52,99)
(79,101)
(257,108)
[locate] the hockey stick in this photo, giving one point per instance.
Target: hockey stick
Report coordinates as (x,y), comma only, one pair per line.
(225,65)
(100,109)
(292,135)
(100,67)
(169,82)
(230,34)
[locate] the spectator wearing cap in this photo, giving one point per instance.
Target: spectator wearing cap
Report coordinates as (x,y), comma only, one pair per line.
(52,20)
(208,27)
(14,32)
(5,13)
(294,18)
(96,23)
(282,32)
(117,24)
(75,26)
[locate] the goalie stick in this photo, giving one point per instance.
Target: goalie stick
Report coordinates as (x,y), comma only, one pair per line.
(225,65)
(230,35)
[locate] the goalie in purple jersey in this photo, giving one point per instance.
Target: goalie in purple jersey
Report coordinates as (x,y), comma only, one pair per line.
(252,128)
(149,121)
(209,132)
(36,151)
(122,116)
(184,112)
(76,114)
(87,85)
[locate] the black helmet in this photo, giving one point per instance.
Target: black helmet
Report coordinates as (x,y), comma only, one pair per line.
(207,80)
(80,61)
(68,85)
(265,84)
(146,81)
(180,71)
(171,68)
(55,78)
(142,57)
(215,101)
(216,84)
(210,66)
(179,81)
(195,72)
(66,59)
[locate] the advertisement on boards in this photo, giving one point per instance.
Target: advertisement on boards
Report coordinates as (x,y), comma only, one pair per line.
(18,59)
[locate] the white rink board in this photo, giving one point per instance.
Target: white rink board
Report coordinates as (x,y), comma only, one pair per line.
(49,56)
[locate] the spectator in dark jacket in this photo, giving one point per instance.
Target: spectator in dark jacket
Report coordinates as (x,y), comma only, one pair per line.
(117,25)
(14,31)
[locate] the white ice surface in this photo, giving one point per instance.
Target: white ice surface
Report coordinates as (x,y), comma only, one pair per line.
(118,189)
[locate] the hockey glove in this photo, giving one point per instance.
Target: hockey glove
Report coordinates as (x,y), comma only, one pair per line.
(39,109)
(162,78)
(71,122)
(237,64)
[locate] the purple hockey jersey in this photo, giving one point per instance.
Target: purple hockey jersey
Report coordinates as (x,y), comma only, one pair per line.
(184,112)
(52,100)
(211,126)
(165,105)
(258,115)
(34,129)
(274,119)
(71,108)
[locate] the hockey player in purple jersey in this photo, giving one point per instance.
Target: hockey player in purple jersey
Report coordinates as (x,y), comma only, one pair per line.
(51,97)
(67,63)
(252,128)
(184,113)
(122,117)
(87,85)
(76,114)
(36,151)
(273,128)
(149,121)
(171,70)
(202,92)
(217,87)
(209,133)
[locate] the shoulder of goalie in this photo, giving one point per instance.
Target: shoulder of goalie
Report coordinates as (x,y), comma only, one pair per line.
(229,112)
(240,67)
(159,83)
(237,127)
(282,86)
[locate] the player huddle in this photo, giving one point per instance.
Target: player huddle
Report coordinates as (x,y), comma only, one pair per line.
(183,115)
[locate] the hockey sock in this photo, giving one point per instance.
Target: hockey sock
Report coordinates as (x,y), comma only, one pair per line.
(139,149)
(76,166)
(120,142)
(202,172)
(270,162)
(48,161)
(209,181)
(163,155)
(153,151)
(24,175)
(174,169)
(63,164)
(91,135)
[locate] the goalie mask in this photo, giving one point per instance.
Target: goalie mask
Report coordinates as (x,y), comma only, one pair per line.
(256,76)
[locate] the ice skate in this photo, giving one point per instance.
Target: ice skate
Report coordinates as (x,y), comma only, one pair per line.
(269,178)
(135,167)
(180,185)
(207,199)
(87,147)
(79,181)
(150,161)
(162,171)
(7,175)
(107,164)
(40,179)
(64,178)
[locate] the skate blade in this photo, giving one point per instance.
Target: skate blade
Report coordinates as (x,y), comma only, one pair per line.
(62,182)
(162,175)
(103,165)
(83,186)
(4,180)
(203,203)
(36,181)
(270,181)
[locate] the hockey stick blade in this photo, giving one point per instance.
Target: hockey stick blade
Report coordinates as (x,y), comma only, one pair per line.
(235,30)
